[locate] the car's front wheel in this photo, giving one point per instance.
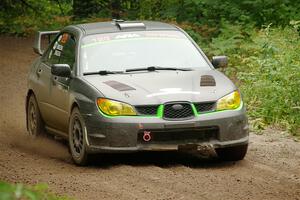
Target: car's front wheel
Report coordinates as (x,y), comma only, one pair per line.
(234,153)
(35,123)
(77,142)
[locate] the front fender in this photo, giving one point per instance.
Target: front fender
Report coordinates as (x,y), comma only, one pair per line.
(83,95)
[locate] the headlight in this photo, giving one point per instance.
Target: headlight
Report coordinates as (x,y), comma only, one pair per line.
(114,108)
(230,101)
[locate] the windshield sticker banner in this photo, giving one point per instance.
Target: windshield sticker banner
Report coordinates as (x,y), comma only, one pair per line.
(115,37)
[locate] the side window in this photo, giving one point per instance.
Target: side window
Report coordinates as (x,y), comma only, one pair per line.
(62,51)
(68,52)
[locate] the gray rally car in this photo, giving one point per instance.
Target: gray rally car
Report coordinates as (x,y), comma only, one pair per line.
(133,86)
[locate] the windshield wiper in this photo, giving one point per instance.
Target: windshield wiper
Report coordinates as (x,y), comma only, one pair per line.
(103,72)
(154,68)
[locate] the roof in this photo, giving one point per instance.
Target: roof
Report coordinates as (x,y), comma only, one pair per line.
(119,26)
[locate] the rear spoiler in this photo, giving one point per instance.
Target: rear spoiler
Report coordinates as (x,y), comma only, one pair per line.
(38,40)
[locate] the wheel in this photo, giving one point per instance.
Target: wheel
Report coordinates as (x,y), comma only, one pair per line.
(232,153)
(35,124)
(77,142)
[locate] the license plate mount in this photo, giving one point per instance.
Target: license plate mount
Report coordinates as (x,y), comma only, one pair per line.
(188,147)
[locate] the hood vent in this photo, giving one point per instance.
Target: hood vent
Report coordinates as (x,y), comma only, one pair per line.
(118,86)
(207,80)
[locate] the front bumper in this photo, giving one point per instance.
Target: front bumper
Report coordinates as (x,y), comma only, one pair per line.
(123,134)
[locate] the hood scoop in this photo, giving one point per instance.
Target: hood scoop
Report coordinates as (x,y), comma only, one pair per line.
(118,86)
(207,80)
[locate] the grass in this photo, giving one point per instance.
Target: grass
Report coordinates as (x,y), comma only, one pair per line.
(265,64)
(19,191)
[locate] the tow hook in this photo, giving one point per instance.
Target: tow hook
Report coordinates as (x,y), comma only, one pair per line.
(147,136)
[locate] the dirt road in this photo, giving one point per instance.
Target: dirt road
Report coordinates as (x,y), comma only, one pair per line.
(271,169)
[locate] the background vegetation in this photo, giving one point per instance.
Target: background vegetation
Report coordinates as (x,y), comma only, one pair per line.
(19,191)
(261,38)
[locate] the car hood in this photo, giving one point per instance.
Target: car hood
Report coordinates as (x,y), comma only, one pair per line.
(158,87)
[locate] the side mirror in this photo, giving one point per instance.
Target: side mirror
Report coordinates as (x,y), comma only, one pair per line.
(62,70)
(219,61)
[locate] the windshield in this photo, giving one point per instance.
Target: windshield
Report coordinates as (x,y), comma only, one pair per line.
(128,50)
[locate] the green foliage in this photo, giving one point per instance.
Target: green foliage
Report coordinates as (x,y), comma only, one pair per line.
(23,17)
(258,12)
(19,191)
(266,64)
(89,8)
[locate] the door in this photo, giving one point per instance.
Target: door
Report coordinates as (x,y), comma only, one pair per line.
(57,103)
(41,85)
(59,86)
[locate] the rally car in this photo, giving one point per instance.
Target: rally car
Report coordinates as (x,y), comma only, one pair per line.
(124,86)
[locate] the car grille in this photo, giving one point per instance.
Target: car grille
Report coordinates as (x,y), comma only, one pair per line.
(205,107)
(178,111)
(147,110)
(187,135)
(172,114)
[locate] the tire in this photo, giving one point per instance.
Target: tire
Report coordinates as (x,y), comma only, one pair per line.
(35,124)
(232,153)
(77,142)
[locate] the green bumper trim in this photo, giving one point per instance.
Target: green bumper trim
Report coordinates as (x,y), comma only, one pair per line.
(160,111)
